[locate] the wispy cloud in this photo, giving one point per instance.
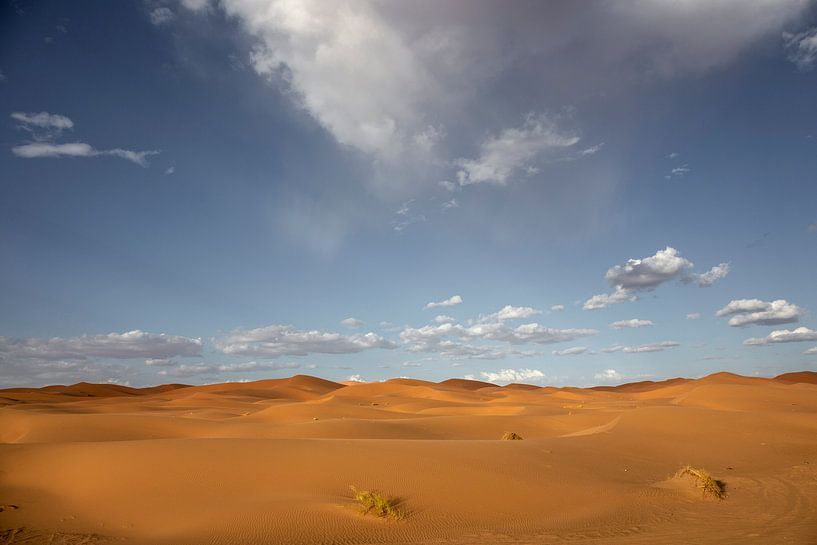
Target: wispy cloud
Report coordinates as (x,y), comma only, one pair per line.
(514,151)
(802,48)
(45,127)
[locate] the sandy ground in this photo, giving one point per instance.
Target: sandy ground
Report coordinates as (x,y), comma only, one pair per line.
(272,461)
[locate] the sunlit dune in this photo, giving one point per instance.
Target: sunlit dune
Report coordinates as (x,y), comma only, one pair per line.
(272,461)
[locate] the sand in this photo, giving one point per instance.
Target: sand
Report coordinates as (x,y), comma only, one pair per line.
(272,461)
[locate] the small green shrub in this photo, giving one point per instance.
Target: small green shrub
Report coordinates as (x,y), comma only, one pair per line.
(705,481)
(375,503)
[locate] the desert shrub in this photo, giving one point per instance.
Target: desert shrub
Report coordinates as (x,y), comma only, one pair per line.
(375,503)
(511,436)
(709,486)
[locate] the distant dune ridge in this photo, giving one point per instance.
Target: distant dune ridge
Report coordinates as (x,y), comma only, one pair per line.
(272,461)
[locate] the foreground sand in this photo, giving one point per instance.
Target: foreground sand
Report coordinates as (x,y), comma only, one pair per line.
(272,461)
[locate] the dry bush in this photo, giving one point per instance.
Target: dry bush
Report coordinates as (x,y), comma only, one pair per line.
(511,436)
(708,485)
(376,503)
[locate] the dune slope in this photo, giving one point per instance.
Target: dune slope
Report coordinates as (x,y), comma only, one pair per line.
(272,462)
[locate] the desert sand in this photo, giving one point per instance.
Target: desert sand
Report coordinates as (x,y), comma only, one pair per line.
(272,461)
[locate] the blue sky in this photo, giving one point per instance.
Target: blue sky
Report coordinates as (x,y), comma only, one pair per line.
(200,191)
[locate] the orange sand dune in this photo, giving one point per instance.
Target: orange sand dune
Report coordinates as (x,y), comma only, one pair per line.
(272,461)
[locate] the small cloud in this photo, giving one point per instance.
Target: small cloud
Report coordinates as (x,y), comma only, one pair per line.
(813,227)
(802,49)
(159,362)
(673,155)
(573,351)
(448,205)
(693,315)
(443,319)
(557,308)
(450,302)
(633,323)
(592,150)
(161,16)
(355,378)
(62,28)
(170,170)
(679,172)
(651,347)
(352,323)
(48,40)
(2,76)
(513,375)
(608,375)
(718,272)
(810,351)
(448,186)
(36,150)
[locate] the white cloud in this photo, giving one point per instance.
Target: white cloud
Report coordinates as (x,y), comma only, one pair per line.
(557,308)
(196,5)
(44,127)
(603,300)
(746,312)
(718,272)
(652,347)
(131,344)
(443,319)
(608,375)
(450,302)
(193,369)
(353,72)
(513,375)
(159,362)
(514,150)
(693,316)
(170,170)
(78,149)
(572,351)
(634,323)
(802,48)
(812,350)
(509,312)
(679,172)
(161,16)
(648,272)
(526,333)
(448,186)
(784,336)
(284,340)
(352,323)
(355,378)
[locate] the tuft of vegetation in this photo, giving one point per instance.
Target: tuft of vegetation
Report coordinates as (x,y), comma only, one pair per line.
(709,486)
(376,503)
(511,436)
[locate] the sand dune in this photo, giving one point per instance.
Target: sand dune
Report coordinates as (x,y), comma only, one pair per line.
(271,462)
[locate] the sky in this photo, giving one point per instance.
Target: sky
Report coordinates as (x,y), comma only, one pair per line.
(559,193)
